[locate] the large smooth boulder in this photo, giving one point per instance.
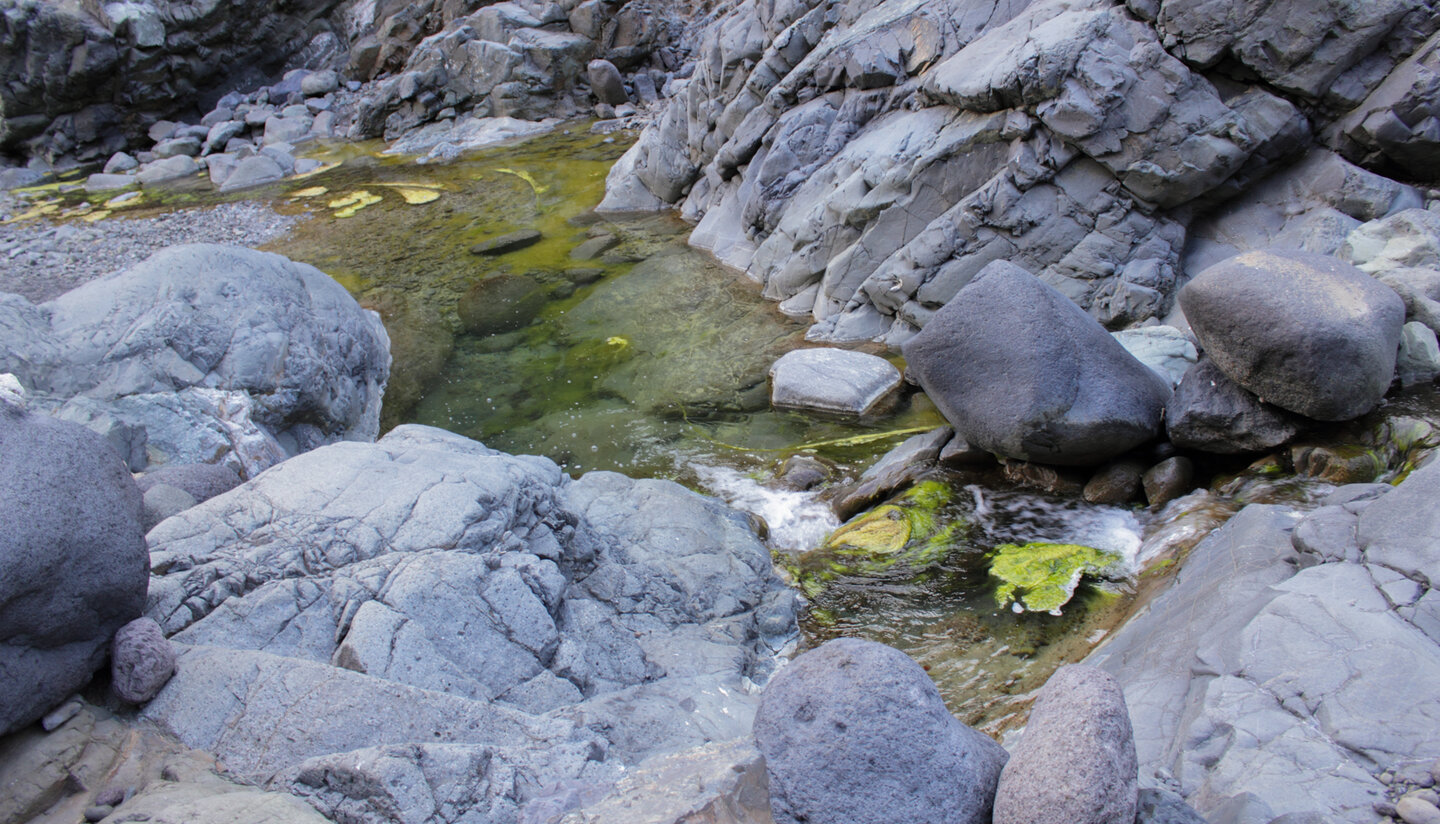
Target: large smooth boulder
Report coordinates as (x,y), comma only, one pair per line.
(856,732)
(73,566)
(1307,333)
(1212,413)
(1076,762)
(206,332)
(1021,371)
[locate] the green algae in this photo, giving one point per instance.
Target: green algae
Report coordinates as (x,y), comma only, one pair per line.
(1042,577)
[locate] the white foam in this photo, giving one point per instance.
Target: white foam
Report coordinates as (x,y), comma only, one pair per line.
(797,520)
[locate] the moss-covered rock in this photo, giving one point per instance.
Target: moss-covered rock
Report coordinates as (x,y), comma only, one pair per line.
(1042,577)
(906,533)
(500,303)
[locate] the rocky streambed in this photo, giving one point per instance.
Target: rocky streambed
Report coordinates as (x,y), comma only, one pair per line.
(1066,330)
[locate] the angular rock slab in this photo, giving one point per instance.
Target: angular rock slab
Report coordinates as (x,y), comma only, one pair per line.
(1076,762)
(1401,531)
(856,732)
(1212,413)
(832,380)
(1304,332)
(1021,371)
(73,567)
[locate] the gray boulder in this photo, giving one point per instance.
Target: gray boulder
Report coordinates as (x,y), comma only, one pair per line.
(252,171)
(1305,332)
(606,83)
(1021,371)
(489,609)
(200,481)
(1212,413)
(723,782)
(170,168)
(294,353)
(838,381)
(141,661)
(855,731)
(73,560)
(161,501)
(1394,126)
(1076,762)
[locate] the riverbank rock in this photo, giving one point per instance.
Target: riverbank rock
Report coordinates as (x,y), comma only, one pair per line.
(837,381)
(1279,716)
(1075,763)
(73,560)
(509,628)
(1021,371)
(1305,332)
(1212,413)
(855,731)
(141,661)
(208,354)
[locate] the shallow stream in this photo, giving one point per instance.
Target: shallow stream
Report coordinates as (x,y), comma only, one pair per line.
(647,358)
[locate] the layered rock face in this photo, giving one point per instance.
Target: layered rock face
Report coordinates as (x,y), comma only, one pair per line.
(81,79)
(865,159)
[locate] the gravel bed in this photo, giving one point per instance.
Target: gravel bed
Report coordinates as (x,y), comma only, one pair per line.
(41,260)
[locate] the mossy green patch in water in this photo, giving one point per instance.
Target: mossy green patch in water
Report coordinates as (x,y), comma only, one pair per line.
(1043,577)
(903,534)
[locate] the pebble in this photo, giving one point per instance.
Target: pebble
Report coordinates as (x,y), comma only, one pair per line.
(98,812)
(1428,796)
(60,257)
(60,715)
(1414,810)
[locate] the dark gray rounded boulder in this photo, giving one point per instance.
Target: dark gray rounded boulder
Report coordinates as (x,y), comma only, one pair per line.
(1305,332)
(1021,371)
(73,564)
(855,732)
(1076,762)
(1212,413)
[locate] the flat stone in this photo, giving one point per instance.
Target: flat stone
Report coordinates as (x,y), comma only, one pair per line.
(506,243)
(838,381)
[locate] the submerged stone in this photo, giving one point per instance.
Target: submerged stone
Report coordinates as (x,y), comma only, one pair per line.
(500,304)
(510,242)
(1043,577)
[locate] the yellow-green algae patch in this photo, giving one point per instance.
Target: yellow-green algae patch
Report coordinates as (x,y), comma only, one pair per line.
(904,534)
(1043,577)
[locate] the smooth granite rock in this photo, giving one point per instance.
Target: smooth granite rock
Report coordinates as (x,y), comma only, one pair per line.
(855,731)
(73,567)
(1212,413)
(1304,332)
(1021,371)
(1075,763)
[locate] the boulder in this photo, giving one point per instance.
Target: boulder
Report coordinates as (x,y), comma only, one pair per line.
(1212,413)
(200,481)
(1305,332)
(1164,349)
(141,661)
(1076,762)
(717,782)
(161,501)
(253,171)
(1418,360)
(855,731)
(606,83)
(73,560)
(170,168)
(1401,531)
(1021,371)
(838,381)
(1168,480)
(294,352)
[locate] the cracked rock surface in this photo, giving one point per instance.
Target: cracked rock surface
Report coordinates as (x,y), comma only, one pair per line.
(1295,660)
(426,630)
